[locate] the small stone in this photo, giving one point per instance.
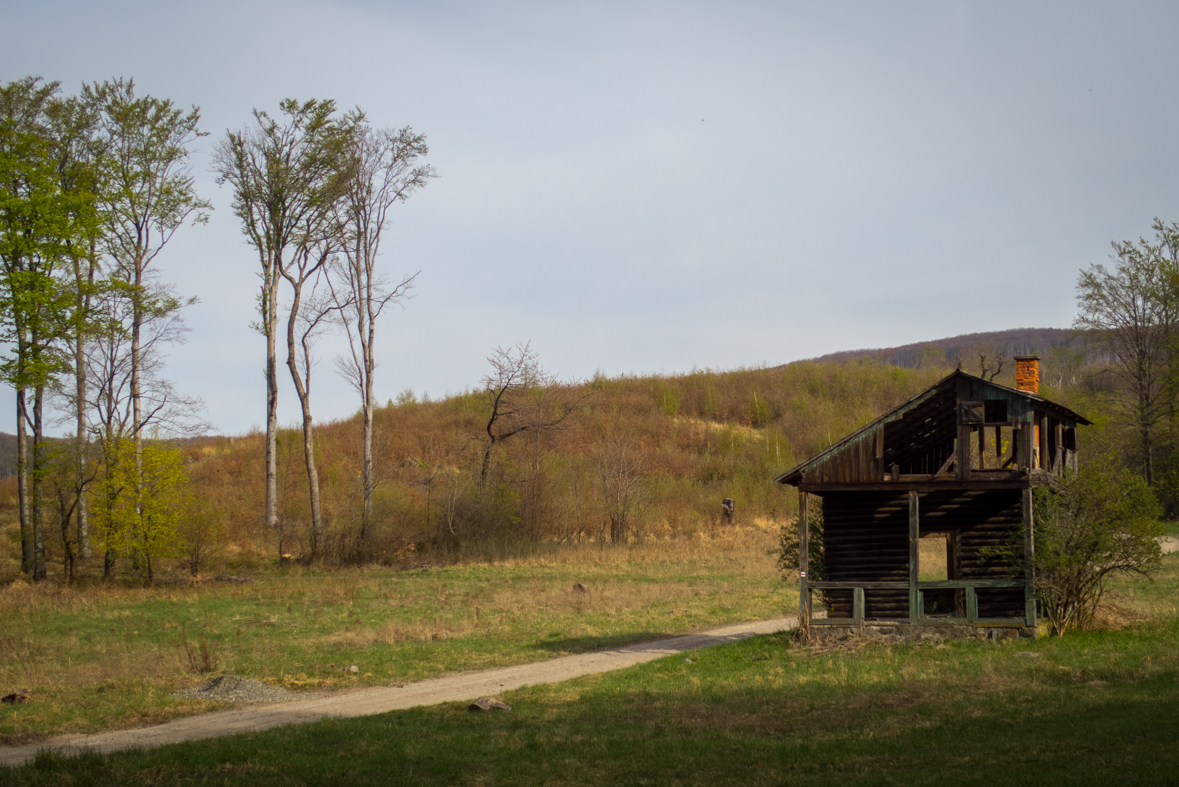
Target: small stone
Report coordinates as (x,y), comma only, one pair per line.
(352,670)
(487,703)
(580,588)
(24,695)
(689,661)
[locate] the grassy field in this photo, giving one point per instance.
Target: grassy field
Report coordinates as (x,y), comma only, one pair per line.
(1092,708)
(102,658)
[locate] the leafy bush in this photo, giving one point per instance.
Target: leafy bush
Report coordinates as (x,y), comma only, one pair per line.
(1100,521)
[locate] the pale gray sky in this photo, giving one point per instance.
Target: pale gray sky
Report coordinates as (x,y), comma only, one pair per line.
(650,187)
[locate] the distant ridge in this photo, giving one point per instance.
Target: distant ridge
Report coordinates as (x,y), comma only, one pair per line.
(1011,342)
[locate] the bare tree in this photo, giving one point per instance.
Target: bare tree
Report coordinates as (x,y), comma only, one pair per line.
(621,472)
(1132,310)
(383,173)
(286,179)
(306,318)
(516,375)
(984,357)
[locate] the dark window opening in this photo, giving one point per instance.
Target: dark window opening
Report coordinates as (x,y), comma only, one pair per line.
(995,411)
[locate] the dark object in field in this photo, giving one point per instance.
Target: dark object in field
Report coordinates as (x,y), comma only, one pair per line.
(240,579)
(487,703)
(728,505)
(580,588)
(24,695)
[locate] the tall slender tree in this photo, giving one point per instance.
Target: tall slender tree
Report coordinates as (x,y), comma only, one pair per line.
(1133,310)
(304,319)
(286,178)
(73,124)
(41,222)
(384,171)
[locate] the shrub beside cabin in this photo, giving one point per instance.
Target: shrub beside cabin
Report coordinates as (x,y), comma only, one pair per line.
(956,463)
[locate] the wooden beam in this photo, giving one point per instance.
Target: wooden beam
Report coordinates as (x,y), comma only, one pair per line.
(1058,456)
(914,556)
(963,392)
(948,484)
(1045,459)
(829,585)
(1029,553)
(963,450)
(880,452)
(945,466)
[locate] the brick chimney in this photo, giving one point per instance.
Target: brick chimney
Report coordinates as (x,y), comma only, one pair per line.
(1027,373)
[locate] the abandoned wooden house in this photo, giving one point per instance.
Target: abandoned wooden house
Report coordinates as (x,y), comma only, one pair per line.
(956,463)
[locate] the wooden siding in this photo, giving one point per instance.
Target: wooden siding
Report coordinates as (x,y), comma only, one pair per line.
(866,539)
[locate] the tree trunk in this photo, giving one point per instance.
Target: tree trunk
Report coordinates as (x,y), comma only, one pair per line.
(81,439)
(367,334)
(38,474)
(136,390)
(22,483)
(271,324)
(308,436)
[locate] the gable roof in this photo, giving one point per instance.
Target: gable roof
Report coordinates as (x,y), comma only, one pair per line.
(927,409)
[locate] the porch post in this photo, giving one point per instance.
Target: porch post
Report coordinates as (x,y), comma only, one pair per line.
(804,606)
(914,557)
(1029,554)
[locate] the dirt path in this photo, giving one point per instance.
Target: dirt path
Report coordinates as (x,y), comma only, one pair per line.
(1169,544)
(365,702)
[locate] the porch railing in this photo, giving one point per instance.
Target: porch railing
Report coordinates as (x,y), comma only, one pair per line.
(917,601)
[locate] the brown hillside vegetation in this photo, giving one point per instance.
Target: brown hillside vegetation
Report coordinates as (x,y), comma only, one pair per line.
(658,452)
(639,458)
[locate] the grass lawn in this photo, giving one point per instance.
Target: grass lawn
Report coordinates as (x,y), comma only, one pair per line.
(106,658)
(1093,708)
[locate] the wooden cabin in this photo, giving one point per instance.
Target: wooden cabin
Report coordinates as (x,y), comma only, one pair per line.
(957,464)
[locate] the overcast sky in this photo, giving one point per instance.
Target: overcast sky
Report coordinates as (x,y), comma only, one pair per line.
(652,187)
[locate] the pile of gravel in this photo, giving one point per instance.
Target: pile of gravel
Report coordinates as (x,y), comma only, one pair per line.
(231,688)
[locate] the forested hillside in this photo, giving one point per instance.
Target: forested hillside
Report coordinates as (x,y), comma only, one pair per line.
(966,348)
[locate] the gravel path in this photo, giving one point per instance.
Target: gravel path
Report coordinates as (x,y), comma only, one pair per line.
(365,702)
(231,688)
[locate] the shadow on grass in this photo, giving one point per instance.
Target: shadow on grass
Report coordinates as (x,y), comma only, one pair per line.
(573,645)
(679,737)
(642,641)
